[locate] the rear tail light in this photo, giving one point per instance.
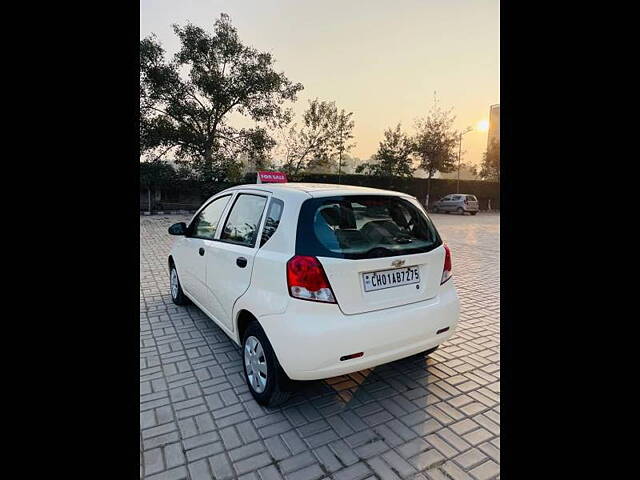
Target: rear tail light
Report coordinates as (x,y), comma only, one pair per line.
(307,280)
(446,271)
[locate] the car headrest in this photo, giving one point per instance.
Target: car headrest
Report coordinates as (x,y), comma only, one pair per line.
(331,216)
(398,216)
(347,218)
(338,216)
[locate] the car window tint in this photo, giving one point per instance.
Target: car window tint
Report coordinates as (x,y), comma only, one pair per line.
(244,220)
(359,226)
(206,224)
(456,197)
(273,220)
(471,198)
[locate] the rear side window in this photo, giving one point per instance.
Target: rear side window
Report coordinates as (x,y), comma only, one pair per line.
(243,221)
(456,198)
(363,226)
(273,220)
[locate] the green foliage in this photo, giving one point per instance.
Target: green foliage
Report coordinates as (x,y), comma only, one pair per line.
(436,141)
(490,168)
(321,141)
(194,192)
(343,134)
(186,102)
(157,174)
(417,187)
(393,157)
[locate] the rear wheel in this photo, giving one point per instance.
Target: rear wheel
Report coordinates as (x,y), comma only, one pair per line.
(177,295)
(473,213)
(262,372)
(436,210)
(460,210)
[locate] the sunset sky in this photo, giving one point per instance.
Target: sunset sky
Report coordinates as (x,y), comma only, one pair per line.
(381,59)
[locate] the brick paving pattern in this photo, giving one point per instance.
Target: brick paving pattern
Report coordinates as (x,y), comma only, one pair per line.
(416,418)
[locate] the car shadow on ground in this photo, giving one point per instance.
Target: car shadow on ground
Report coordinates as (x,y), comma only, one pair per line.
(408,378)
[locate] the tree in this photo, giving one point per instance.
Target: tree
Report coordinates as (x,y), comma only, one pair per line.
(394,156)
(323,131)
(350,163)
(156,174)
(186,103)
(436,141)
(317,136)
(343,133)
(490,167)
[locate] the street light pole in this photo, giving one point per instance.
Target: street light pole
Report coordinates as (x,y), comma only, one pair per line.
(459,154)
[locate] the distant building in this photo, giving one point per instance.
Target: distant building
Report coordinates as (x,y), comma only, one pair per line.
(494,124)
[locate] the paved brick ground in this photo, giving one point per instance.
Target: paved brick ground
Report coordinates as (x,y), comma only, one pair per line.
(416,418)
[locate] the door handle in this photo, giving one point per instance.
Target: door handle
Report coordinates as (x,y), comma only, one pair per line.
(241,262)
(201,251)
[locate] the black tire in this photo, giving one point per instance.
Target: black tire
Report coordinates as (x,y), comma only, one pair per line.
(273,393)
(436,210)
(473,213)
(177,295)
(460,210)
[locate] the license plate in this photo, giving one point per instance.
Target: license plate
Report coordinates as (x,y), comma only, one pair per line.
(395,277)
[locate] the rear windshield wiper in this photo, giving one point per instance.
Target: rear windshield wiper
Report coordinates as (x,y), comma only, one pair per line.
(402,240)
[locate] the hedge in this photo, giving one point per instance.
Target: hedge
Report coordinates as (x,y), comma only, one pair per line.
(193,193)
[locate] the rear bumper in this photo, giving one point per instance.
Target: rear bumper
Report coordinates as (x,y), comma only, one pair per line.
(309,338)
(469,208)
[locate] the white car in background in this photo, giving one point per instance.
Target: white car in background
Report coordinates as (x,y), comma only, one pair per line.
(315,280)
(459,203)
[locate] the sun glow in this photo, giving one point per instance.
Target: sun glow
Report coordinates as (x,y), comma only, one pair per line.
(482,125)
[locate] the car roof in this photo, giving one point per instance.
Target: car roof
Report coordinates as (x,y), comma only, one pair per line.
(315,189)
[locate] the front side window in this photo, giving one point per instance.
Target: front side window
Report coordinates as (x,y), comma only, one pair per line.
(363,226)
(206,223)
(243,221)
(272,221)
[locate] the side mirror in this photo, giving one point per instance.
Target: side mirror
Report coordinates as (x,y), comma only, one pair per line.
(178,229)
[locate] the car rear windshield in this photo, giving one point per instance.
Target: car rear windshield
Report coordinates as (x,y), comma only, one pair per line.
(364,226)
(472,198)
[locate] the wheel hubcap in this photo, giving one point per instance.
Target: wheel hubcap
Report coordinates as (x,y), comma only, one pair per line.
(174,283)
(255,364)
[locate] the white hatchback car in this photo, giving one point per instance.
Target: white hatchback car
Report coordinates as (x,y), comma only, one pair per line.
(315,280)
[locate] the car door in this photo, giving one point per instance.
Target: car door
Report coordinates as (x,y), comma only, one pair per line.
(200,233)
(230,257)
(444,203)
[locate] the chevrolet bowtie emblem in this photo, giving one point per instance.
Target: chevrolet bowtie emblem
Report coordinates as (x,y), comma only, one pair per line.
(397,263)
